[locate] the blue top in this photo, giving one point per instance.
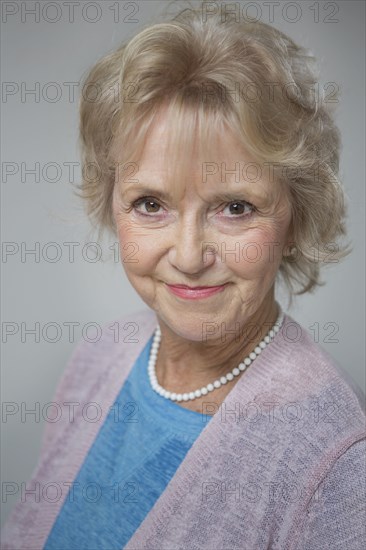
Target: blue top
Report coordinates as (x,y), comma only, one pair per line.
(138,449)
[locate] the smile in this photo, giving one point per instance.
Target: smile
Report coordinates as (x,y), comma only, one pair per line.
(195,293)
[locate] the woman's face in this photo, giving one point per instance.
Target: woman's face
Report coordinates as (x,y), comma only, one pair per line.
(201,239)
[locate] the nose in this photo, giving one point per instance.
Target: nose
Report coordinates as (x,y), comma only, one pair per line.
(190,253)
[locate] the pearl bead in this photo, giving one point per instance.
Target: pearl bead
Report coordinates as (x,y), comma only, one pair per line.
(223,380)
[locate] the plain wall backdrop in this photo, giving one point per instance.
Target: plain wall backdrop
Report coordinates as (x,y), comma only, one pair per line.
(48,47)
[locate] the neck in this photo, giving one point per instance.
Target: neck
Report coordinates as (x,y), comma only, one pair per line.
(184,365)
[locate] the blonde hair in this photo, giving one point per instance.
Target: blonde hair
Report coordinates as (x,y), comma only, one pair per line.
(215,76)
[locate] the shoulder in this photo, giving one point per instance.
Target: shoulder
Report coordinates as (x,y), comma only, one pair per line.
(117,337)
(314,372)
(117,333)
(311,410)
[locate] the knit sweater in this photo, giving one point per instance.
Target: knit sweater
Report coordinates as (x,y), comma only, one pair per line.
(280,465)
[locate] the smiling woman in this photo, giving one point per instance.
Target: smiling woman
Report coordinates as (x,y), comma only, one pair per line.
(248,435)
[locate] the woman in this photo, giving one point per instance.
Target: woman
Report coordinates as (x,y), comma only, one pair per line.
(210,419)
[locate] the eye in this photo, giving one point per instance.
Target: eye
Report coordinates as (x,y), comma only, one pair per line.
(239,208)
(150,201)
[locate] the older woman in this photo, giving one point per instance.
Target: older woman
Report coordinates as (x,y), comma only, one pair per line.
(222,424)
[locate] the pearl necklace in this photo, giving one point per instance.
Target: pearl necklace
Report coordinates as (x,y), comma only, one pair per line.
(223,380)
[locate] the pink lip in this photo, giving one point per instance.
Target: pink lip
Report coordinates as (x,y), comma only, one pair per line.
(195,293)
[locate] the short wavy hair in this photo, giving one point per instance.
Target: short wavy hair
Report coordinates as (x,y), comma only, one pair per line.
(218,74)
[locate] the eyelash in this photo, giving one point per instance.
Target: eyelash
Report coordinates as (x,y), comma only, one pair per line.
(142,200)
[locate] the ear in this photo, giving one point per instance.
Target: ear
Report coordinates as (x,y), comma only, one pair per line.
(290,243)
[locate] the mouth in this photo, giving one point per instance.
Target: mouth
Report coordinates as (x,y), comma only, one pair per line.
(196,287)
(197,292)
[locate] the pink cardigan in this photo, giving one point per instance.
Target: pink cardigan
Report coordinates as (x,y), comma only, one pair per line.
(280,465)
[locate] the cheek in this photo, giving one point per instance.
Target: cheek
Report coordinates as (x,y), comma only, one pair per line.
(136,249)
(258,253)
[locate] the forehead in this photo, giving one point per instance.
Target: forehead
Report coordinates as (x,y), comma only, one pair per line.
(180,155)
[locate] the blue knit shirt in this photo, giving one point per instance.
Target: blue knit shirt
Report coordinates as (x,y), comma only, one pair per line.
(138,449)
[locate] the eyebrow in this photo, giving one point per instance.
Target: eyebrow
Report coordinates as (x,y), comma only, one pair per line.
(223,195)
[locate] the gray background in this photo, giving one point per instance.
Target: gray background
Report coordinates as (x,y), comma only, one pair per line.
(45,131)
